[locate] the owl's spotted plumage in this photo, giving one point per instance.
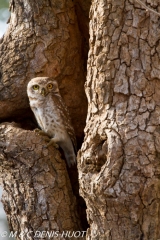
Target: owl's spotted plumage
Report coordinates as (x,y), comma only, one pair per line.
(52,114)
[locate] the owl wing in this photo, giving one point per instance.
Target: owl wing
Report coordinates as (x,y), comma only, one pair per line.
(65,116)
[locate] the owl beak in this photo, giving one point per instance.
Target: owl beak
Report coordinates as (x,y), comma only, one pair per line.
(43,92)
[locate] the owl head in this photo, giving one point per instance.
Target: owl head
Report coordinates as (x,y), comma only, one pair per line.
(40,87)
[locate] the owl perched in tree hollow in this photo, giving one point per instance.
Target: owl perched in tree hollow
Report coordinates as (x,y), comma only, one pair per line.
(52,115)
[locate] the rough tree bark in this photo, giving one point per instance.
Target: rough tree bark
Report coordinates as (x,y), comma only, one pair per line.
(37,191)
(43,39)
(119,162)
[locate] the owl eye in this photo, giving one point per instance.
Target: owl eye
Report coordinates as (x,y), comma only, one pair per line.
(35,87)
(50,86)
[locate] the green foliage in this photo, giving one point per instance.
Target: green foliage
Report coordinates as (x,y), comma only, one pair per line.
(4,4)
(4,13)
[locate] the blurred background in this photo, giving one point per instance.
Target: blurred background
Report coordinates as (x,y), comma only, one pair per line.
(4,15)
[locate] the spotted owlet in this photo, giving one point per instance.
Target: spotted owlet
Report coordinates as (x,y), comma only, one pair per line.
(52,115)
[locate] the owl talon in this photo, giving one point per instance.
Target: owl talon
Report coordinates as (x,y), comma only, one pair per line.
(56,145)
(52,143)
(40,132)
(46,139)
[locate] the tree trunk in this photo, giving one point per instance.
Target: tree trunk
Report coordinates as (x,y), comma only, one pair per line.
(43,39)
(119,162)
(37,193)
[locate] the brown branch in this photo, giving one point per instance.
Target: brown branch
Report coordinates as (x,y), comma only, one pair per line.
(37,191)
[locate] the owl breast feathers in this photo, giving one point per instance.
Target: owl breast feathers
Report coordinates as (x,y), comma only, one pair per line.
(52,114)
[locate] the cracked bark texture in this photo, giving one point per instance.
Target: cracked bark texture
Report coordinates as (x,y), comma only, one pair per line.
(37,191)
(119,162)
(43,39)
